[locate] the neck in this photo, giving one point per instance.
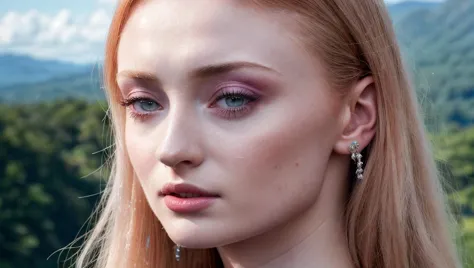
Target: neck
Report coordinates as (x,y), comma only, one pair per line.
(317,238)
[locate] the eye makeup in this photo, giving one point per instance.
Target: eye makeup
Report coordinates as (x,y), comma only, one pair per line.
(141,108)
(233,100)
(229,96)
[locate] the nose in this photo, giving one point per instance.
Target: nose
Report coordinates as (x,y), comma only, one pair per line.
(180,147)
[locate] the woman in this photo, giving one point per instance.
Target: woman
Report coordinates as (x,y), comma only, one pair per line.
(265,134)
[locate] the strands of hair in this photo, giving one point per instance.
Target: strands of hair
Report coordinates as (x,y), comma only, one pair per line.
(396,217)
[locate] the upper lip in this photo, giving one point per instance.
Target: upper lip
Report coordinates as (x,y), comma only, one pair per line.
(171,188)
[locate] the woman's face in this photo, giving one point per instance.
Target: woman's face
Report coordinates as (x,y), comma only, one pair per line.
(223,98)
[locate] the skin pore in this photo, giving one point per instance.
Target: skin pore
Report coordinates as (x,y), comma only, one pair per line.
(224,98)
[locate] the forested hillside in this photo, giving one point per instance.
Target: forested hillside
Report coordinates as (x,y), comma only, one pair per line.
(399,10)
(50,159)
(86,86)
(439,47)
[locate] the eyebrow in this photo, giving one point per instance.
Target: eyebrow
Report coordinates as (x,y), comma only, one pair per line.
(214,70)
(199,73)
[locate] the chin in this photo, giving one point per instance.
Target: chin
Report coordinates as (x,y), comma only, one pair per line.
(189,234)
(197,239)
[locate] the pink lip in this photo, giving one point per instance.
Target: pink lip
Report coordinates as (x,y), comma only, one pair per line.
(173,200)
(188,205)
(182,188)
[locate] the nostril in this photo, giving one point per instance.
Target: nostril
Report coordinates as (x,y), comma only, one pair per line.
(180,154)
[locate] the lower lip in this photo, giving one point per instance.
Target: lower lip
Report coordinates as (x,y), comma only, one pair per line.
(188,205)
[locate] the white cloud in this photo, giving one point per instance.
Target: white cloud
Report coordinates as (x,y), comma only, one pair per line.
(60,36)
(63,35)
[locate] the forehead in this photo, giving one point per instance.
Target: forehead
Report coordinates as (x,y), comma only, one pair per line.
(176,34)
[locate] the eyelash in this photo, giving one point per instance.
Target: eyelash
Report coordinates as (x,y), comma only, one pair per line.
(133,113)
(230,113)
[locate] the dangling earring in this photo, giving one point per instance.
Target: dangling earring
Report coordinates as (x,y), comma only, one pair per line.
(356,156)
(177,252)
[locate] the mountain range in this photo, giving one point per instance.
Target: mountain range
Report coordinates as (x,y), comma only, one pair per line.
(437,40)
(438,47)
(399,10)
(15,69)
(81,85)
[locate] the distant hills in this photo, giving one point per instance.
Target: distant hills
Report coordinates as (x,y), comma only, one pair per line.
(15,69)
(86,85)
(399,10)
(438,45)
(437,40)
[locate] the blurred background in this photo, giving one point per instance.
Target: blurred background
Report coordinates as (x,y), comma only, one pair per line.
(54,133)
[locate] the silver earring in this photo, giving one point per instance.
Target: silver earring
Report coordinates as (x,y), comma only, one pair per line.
(177,252)
(357,157)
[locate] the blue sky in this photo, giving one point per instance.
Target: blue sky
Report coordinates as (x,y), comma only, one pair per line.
(53,6)
(72,30)
(79,6)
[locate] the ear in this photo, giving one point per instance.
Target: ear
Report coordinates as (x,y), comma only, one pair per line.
(359,116)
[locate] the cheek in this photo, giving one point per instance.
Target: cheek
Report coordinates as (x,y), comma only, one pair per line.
(274,172)
(141,150)
(283,156)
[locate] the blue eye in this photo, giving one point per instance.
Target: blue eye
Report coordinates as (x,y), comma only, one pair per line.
(234,101)
(145,105)
(235,98)
(141,107)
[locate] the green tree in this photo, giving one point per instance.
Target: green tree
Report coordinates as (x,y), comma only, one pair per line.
(48,155)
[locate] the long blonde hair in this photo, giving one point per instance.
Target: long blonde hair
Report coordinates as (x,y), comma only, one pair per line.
(395,218)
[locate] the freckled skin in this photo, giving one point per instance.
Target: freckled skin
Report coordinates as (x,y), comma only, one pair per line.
(268,165)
